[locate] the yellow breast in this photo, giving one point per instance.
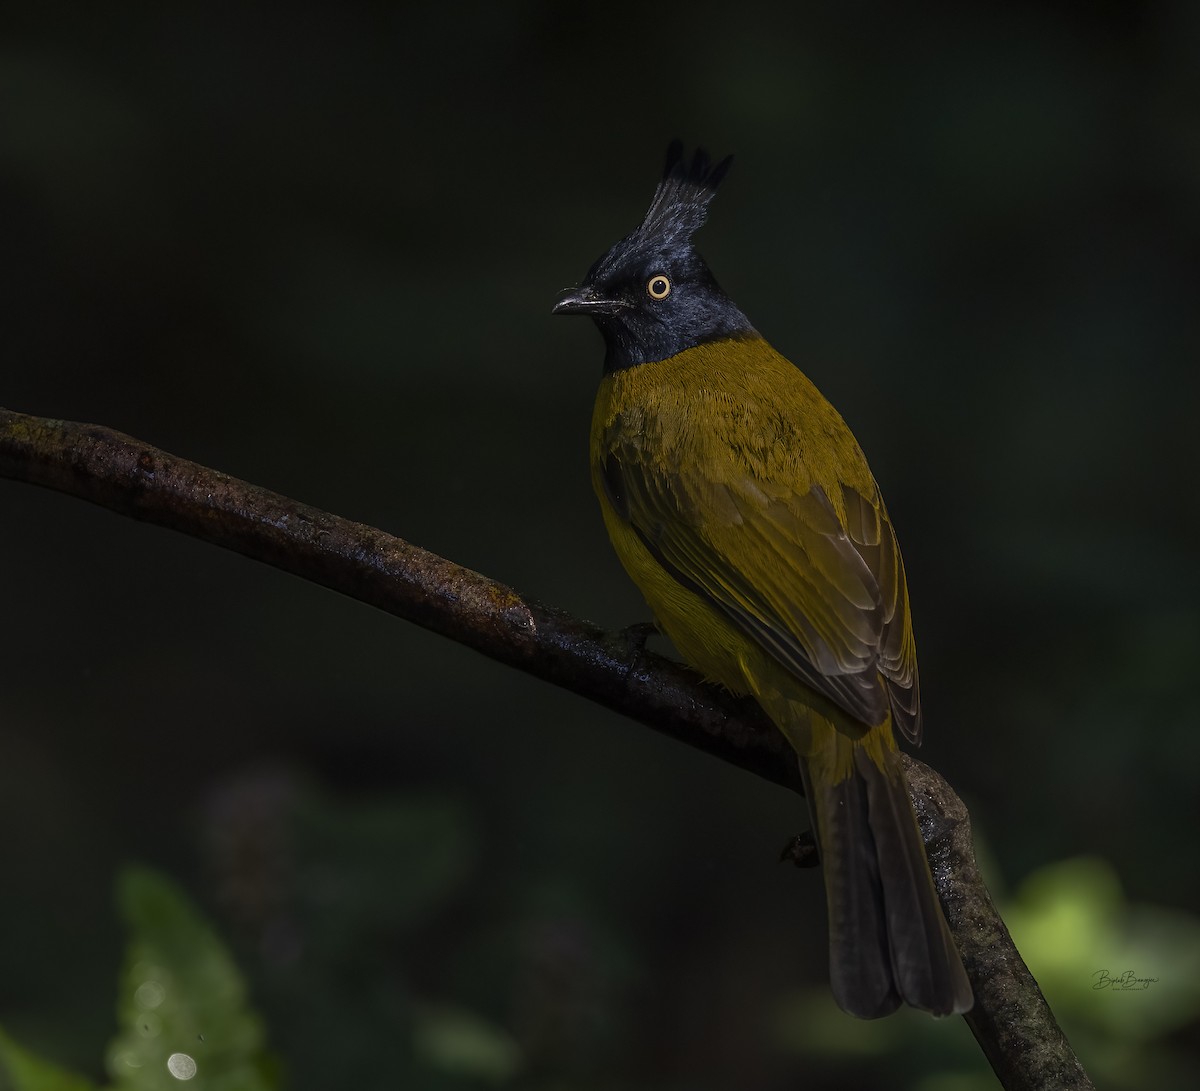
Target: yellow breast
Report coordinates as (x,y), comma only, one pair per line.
(720,412)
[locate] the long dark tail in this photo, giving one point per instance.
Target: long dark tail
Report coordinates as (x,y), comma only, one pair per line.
(888,939)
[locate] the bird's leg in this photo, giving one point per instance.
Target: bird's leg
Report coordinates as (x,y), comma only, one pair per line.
(801,850)
(633,639)
(635,636)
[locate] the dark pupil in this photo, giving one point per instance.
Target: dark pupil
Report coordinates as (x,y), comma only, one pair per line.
(658,286)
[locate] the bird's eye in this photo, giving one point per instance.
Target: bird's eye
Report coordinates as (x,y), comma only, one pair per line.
(658,286)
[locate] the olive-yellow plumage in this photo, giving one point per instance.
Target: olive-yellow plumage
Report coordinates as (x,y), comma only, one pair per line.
(743,508)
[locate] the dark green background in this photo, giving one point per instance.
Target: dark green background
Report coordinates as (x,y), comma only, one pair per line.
(316,248)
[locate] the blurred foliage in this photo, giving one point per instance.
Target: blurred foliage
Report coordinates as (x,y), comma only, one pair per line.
(181,1003)
(23,1071)
(462,1043)
(1122,979)
(183,1013)
(181,1006)
(316,246)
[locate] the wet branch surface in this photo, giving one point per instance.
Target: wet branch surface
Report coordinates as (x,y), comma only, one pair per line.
(1011,1020)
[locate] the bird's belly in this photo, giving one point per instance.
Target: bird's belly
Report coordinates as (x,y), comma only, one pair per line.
(706,640)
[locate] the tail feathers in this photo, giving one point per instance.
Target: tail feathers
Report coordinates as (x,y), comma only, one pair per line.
(859,959)
(888,939)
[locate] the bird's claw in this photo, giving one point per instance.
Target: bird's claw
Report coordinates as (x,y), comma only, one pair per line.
(801,850)
(636,635)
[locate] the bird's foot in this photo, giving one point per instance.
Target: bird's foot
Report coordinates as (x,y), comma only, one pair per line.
(633,640)
(636,635)
(801,850)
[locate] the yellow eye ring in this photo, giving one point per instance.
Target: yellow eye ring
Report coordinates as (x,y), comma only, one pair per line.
(658,287)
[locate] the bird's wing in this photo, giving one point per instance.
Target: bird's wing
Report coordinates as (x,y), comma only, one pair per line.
(870,532)
(827,601)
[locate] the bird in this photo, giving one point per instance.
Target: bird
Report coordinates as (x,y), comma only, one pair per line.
(741,505)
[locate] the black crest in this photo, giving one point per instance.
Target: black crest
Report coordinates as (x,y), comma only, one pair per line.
(640,325)
(680,203)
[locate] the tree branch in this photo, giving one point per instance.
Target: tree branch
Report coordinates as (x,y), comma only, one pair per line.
(1011,1020)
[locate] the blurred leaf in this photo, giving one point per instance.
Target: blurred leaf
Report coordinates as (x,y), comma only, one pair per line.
(182,1002)
(1133,970)
(389,863)
(917,1051)
(30,1073)
(1063,917)
(1120,977)
(461,1043)
(808,1022)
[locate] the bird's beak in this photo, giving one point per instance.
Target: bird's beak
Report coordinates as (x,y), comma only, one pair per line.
(586,301)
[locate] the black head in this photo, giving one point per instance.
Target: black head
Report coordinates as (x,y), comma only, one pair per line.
(652,295)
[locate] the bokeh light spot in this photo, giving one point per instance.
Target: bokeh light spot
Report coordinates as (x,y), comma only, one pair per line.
(181,1066)
(149,994)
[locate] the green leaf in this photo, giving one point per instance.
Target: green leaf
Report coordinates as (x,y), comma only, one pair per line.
(1077,932)
(460,1042)
(30,1073)
(182,1008)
